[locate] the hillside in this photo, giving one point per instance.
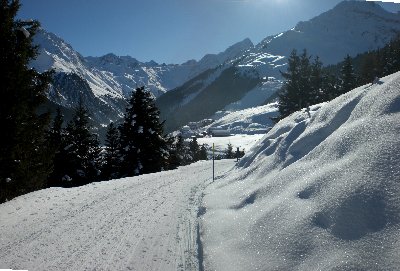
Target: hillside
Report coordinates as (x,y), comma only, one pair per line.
(318,192)
(351,27)
(108,80)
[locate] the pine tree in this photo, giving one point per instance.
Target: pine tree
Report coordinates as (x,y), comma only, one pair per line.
(183,151)
(194,150)
(144,148)
(81,149)
(296,93)
(203,152)
(305,89)
(25,160)
(176,150)
(229,152)
(289,94)
(317,80)
(111,165)
(55,141)
(347,78)
(370,68)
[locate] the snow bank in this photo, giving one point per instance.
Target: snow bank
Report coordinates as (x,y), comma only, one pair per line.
(319,191)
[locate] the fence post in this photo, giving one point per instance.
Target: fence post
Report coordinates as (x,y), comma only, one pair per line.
(213,162)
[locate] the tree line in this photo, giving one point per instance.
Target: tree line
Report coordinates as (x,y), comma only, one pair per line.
(37,152)
(307,82)
(137,146)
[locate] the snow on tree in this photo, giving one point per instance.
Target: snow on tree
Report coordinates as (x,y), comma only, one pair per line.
(194,150)
(229,152)
(82,151)
(143,145)
(111,157)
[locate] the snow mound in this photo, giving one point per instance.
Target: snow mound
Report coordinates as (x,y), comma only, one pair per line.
(320,191)
(254,120)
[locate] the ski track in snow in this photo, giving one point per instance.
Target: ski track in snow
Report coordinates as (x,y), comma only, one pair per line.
(147,222)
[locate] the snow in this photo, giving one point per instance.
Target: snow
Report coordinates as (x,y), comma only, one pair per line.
(141,223)
(319,191)
(316,193)
(253,120)
(244,142)
(351,27)
(256,96)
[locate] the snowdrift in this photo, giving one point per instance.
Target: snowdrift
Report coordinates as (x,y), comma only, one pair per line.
(321,191)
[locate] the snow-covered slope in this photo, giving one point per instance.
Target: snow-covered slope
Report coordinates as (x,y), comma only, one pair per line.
(254,120)
(352,27)
(141,223)
(321,191)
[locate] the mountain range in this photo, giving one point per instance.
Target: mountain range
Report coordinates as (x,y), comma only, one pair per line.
(195,90)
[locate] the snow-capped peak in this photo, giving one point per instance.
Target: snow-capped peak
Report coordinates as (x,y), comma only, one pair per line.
(351,27)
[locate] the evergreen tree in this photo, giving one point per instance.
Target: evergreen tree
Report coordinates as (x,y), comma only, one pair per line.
(370,68)
(25,160)
(317,82)
(111,165)
(296,93)
(55,141)
(229,154)
(305,90)
(56,131)
(177,153)
(174,160)
(330,87)
(392,62)
(144,148)
(203,152)
(289,95)
(194,150)
(183,151)
(347,78)
(81,149)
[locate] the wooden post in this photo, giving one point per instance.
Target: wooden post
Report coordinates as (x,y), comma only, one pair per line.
(213,162)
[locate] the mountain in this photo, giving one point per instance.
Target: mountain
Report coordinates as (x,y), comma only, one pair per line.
(108,80)
(351,27)
(320,191)
(198,89)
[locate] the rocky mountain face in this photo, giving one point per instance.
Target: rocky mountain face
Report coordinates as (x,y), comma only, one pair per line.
(108,80)
(197,89)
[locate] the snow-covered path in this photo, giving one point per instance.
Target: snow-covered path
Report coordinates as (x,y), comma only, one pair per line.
(142,223)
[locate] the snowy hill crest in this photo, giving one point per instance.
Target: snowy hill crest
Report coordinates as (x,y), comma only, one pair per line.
(319,192)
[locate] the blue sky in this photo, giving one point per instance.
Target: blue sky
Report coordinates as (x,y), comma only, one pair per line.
(168,31)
